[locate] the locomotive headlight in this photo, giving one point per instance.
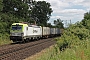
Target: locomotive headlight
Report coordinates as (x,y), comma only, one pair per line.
(22,34)
(12,34)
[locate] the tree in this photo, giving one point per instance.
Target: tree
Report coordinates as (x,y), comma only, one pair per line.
(86,20)
(15,7)
(49,25)
(87,16)
(41,12)
(58,23)
(1,5)
(22,10)
(28,10)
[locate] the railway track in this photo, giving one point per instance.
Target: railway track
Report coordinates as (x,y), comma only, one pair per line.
(22,51)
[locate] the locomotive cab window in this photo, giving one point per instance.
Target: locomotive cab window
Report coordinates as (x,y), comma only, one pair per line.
(16,27)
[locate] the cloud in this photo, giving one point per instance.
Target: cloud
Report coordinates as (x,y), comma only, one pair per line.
(84,3)
(70,14)
(69,9)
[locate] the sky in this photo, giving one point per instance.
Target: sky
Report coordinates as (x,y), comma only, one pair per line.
(68,9)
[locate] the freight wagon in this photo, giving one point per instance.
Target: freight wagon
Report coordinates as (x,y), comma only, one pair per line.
(45,32)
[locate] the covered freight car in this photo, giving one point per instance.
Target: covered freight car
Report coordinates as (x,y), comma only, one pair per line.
(52,32)
(45,32)
(55,32)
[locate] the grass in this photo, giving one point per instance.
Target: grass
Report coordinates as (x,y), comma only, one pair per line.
(48,55)
(77,52)
(4,39)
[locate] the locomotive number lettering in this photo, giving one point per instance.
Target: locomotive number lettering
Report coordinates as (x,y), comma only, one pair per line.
(35,31)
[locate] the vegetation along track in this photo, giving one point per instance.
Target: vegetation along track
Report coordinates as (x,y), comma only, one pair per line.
(22,51)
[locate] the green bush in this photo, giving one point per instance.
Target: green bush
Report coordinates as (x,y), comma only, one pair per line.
(72,36)
(4,39)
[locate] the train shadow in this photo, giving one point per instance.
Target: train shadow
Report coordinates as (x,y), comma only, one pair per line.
(16,43)
(13,43)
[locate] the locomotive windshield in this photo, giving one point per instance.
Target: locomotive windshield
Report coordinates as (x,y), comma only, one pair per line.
(16,27)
